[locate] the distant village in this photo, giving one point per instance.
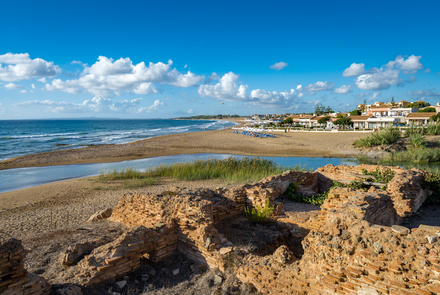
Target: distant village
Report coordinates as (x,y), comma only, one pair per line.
(366,116)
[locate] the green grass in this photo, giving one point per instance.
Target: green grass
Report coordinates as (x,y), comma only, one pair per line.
(259,214)
(232,169)
(418,155)
(417,140)
(384,136)
(432,129)
(315,199)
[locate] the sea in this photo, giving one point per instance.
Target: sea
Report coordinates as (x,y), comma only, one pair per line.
(24,137)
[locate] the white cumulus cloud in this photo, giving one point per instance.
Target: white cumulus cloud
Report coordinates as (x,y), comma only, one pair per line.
(157,103)
(354,70)
(412,63)
(344,89)
(21,67)
(320,86)
(274,97)
(107,77)
(145,88)
(278,66)
(226,89)
(12,86)
(387,75)
(379,80)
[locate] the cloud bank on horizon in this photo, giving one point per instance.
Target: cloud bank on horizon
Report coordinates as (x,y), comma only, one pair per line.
(107,79)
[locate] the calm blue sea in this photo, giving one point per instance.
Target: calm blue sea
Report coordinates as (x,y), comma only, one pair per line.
(23,137)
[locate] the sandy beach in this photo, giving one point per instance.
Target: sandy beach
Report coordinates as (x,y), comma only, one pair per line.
(290,144)
(29,211)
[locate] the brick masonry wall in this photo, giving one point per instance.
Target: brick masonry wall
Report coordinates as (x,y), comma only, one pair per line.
(353,247)
(14,278)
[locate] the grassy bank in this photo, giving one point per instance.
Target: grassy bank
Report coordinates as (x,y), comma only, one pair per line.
(415,155)
(233,169)
(384,136)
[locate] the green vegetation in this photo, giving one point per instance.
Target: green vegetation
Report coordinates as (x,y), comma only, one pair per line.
(417,140)
(419,104)
(431,129)
(355,113)
(420,155)
(288,121)
(427,110)
(320,109)
(259,214)
(343,121)
(234,169)
(435,118)
(432,182)
(384,136)
(315,200)
(380,176)
(319,199)
(208,117)
(323,120)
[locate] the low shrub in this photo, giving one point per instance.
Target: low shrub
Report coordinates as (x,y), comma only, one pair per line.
(432,182)
(381,176)
(259,214)
(417,140)
(384,136)
(420,155)
(314,200)
(433,129)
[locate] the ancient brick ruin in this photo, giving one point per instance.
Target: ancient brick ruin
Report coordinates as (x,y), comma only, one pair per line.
(14,278)
(352,245)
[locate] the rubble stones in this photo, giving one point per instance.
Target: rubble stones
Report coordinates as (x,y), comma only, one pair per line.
(76,251)
(100,215)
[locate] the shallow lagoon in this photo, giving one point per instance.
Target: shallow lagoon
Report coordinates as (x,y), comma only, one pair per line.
(14,179)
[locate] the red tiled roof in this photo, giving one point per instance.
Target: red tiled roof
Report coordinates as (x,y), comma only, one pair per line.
(421,115)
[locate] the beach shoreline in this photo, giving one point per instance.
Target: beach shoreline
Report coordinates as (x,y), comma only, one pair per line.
(224,141)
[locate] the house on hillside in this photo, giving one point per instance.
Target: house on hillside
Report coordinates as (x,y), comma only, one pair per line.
(381,122)
(360,122)
(401,113)
(314,121)
(380,110)
(419,119)
(403,103)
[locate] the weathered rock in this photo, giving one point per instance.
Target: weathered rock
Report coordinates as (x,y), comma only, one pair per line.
(100,215)
(283,255)
(121,284)
(75,252)
(218,280)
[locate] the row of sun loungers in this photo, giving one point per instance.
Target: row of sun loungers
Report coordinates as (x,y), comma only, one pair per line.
(253,134)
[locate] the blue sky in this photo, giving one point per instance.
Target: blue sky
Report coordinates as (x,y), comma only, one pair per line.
(151,59)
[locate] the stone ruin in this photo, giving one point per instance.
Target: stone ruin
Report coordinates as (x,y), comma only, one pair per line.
(14,278)
(353,245)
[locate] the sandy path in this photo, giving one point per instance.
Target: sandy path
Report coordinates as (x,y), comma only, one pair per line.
(311,144)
